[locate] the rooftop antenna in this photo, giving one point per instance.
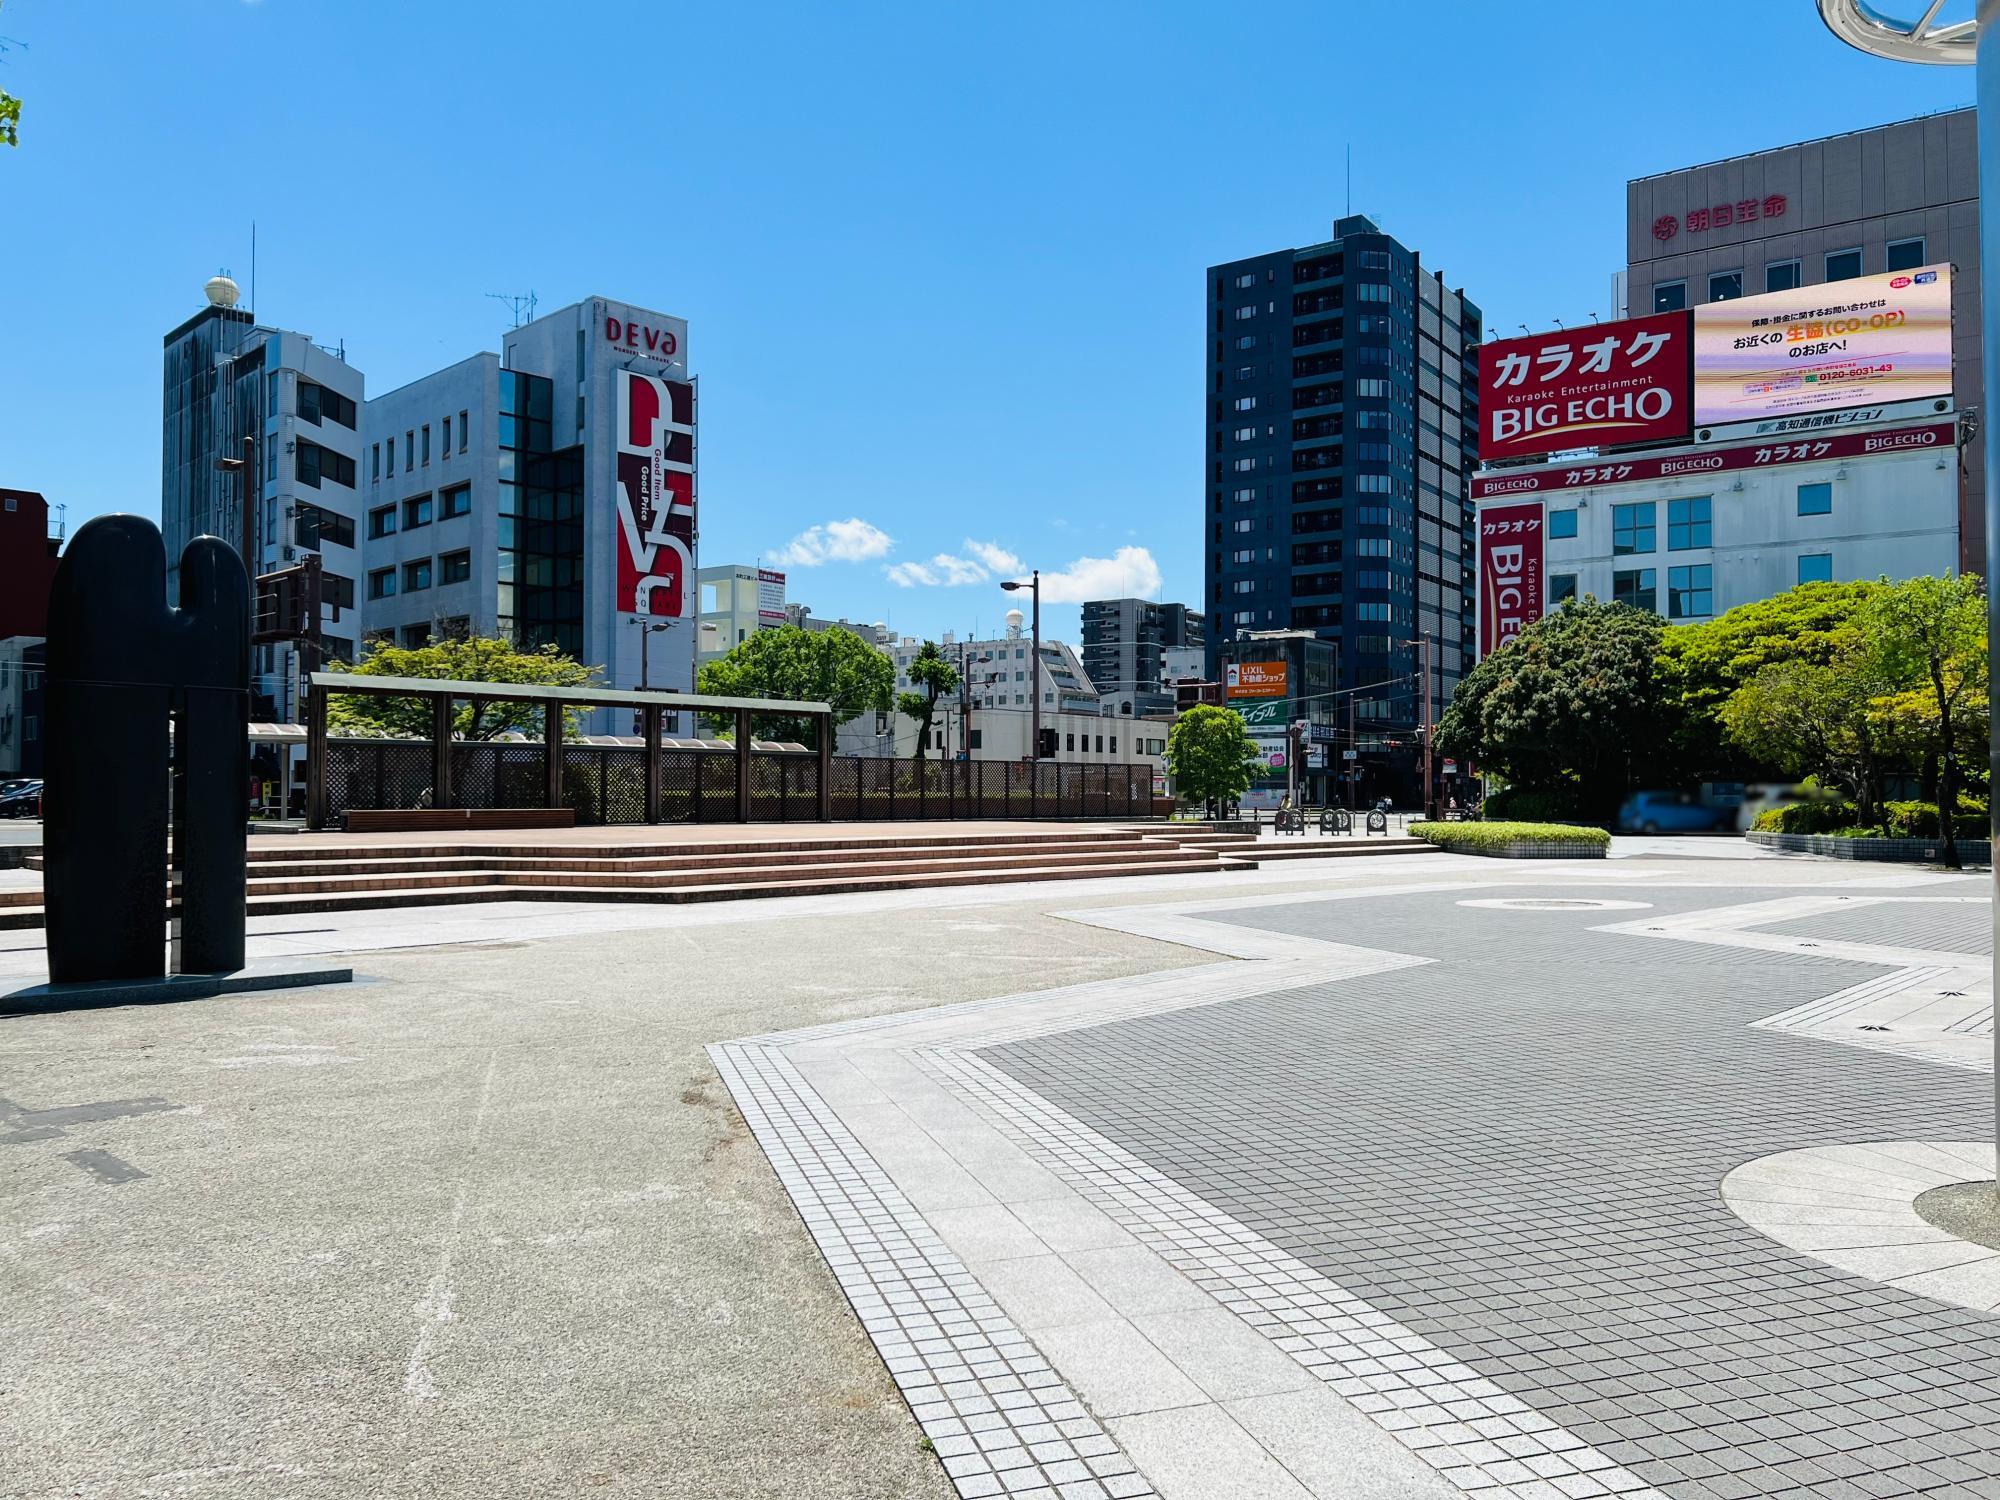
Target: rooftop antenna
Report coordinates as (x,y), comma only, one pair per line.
(1350,179)
(253,268)
(522,305)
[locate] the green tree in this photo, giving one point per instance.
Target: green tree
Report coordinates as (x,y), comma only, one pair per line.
(471,659)
(1571,707)
(1809,719)
(835,667)
(1928,635)
(1702,664)
(10,107)
(937,678)
(1211,754)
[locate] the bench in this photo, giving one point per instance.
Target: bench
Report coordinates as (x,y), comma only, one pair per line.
(442,819)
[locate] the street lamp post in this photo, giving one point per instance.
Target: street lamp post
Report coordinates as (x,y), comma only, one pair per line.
(1013,585)
(1425,641)
(1927,40)
(647,625)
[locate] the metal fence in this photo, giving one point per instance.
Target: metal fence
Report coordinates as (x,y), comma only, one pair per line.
(607,784)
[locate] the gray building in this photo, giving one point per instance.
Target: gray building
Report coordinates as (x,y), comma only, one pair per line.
(1342,386)
(1125,642)
(1885,199)
(226,377)
(490,497)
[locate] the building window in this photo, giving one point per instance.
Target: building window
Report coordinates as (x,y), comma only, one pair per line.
(382,521)
(375,461)
(416,512)
(1906,255)
(1561,586)
(1816,567)
(1781,276)
(1632,529)
(392,455)
(1843,265)
(1244,314)
(1687,524)
(1248,278)
(1069,742)
(1690,592)
(336,590)
(1245,434)
(314,526)
(416,635)
(1815,499)
(1636,588)
(1246,403)
(1724,285)
(382,583)
(444,445)
(316,401)
(464,431)
(312,463)
(1562,523)
(456,501)
(410,450)
(1670,296)
(416,575)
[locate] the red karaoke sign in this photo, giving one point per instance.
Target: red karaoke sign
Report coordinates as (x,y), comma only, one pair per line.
(1802,449)
(1603,385)
(1510,572)
(655,496)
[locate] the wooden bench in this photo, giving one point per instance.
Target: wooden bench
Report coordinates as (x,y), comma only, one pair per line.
(439,819)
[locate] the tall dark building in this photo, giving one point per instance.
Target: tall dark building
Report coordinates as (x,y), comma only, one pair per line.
(1343,388)
(1125,642)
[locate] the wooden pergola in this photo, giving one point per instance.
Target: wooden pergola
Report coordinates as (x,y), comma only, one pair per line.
(442,693)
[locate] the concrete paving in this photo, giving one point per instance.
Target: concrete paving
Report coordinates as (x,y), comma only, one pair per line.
(484,1226)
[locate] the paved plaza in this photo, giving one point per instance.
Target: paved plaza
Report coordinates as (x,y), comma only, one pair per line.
(1343,1178)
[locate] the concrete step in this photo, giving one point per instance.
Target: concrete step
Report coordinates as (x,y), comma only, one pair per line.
(697,858)
(946,834)
(364,879)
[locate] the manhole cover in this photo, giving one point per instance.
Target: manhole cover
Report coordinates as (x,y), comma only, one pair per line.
(1556,903)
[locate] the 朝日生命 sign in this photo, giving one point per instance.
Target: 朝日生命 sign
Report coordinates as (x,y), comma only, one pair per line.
(1603,385)
(1510,572)
(1721,215)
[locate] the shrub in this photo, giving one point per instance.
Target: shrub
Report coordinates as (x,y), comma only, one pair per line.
(1899,820)
(1520,805)
(1475,837)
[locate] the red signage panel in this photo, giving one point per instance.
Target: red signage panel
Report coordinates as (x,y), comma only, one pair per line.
(1604,385)
(655,496)
(1803,449)
(1510,572)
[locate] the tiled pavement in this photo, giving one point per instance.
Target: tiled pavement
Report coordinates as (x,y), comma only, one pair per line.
(1492,1177)
(1948,926)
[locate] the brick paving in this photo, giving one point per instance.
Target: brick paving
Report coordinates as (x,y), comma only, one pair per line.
(1515,1152)
(1946,926)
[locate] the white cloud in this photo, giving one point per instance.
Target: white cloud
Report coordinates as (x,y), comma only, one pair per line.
(852,540)
(1129,573)
(1003,563)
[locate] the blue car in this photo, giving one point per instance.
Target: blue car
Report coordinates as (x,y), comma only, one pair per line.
(1671,812)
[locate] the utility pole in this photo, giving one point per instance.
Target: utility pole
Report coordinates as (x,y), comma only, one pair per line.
(1428,782)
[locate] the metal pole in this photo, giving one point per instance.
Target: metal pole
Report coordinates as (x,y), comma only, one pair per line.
(440,750)
(645,637)
(316,759)
(250,477)
(1428,783)
(1035,677)
(743,765)
(651,719)
(552,754)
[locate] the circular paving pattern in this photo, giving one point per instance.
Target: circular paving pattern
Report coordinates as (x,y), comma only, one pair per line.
(1555,903)
(1854,1207)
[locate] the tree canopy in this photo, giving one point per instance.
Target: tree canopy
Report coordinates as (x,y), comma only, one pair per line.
(937,678)
(469,659)
(1211,754)
(835,667)
(1568,707)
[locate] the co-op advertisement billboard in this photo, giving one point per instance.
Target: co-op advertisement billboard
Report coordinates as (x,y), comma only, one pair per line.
(1606,385)
(655,497)
(1871,340)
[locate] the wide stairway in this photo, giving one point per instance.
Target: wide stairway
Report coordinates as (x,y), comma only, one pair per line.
(357,874)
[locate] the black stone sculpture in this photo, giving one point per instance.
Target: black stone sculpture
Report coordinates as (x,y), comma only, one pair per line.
(121,663)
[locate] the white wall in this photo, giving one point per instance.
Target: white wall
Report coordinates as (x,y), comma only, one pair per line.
(1893,514)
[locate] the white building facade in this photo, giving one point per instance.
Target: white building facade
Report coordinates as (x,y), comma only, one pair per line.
(1694,531)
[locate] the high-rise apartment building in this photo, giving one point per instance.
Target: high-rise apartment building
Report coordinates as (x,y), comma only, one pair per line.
(227,378)
(1342,390)
(1891,198)
(1125,642)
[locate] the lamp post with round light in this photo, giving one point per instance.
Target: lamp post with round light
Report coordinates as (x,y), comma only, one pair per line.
(1014,585)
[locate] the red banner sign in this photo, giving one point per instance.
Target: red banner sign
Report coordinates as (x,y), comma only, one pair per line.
(655,497)
(1510,572)
(1607,384)
(1803,449)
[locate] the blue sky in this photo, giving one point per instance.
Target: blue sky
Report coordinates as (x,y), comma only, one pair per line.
(943,266)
